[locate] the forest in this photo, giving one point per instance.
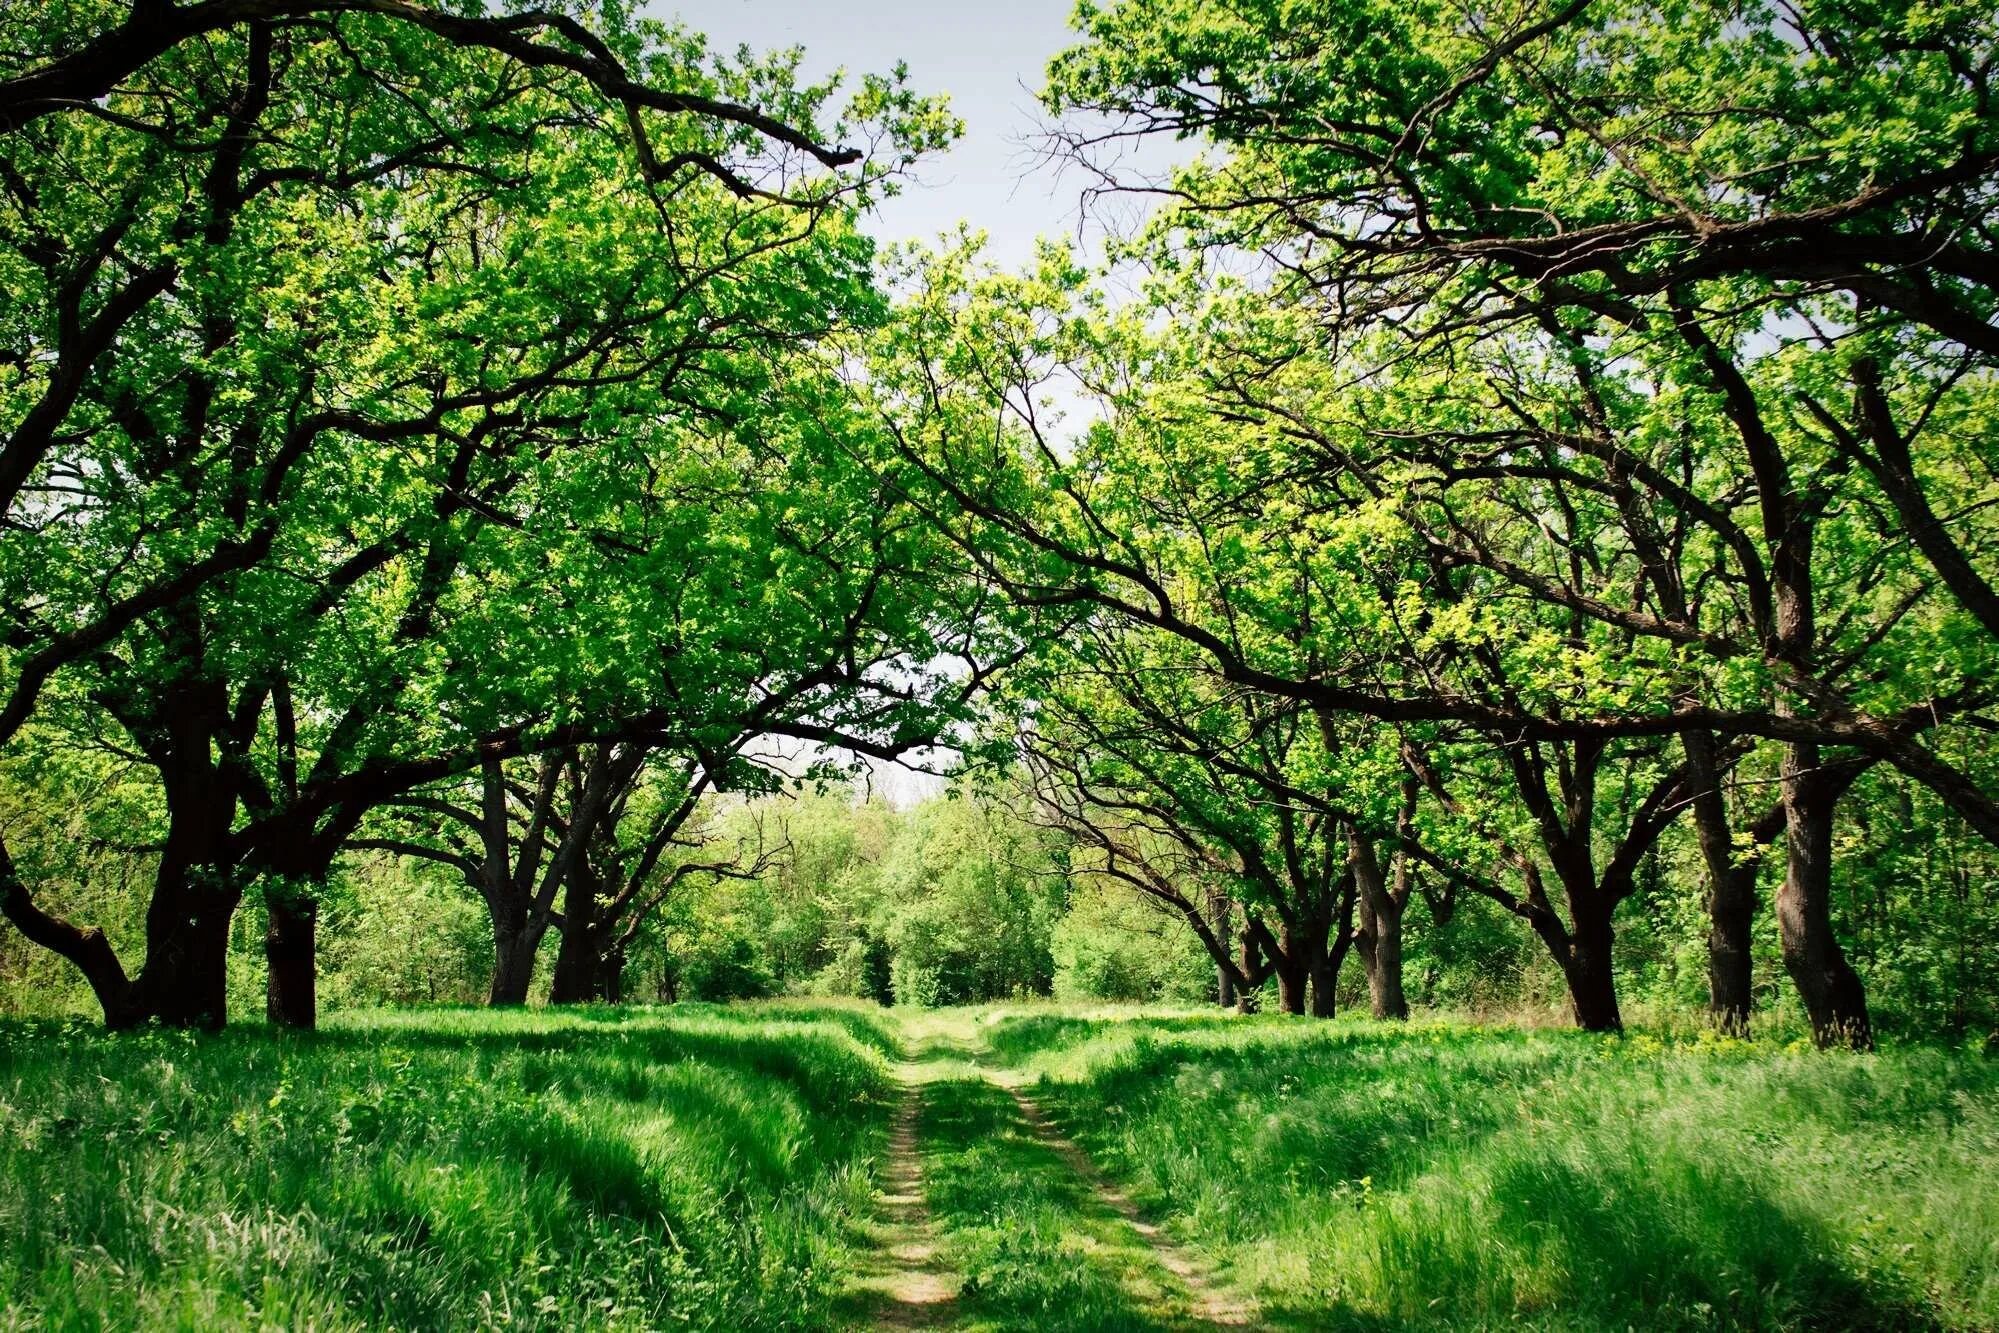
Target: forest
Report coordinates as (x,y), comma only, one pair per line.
(1401,732)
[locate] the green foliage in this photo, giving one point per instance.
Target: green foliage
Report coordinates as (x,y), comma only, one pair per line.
(1113,945)
(729,967)
(391,935)
(952,901)
(969,897)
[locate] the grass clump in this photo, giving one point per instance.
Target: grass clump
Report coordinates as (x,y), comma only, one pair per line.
(598,1169)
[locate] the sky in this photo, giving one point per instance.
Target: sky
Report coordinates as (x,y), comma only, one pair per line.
(990,59)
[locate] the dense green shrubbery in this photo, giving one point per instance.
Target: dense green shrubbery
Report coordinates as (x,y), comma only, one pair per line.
(1113,945)
(954,902)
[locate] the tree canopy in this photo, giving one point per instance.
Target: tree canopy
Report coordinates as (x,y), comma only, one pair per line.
(1532,471)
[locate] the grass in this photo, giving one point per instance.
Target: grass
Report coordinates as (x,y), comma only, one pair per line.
(716,1168)
(1364,1176)
(1036,1249)
(438,1170)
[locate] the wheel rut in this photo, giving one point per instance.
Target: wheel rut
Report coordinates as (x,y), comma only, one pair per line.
(909,1280)
(909,1284)
(1207,1304)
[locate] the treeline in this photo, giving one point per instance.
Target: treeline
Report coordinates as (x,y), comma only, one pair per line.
(975,897)
(1535,469)
(421,431)
(1539,434)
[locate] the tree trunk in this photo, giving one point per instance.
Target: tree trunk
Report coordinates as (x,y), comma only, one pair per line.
(611,976)
(514,952)
(1831,990)
(1295,961)
(1592,983)
(1331,955)
(1379,938)
(185,982)
(579,958)
(1249,998)
(1290,987)
(1380,944)
(196,889)
(1326,981)
(291,992)
(1221,910)
(1731,896)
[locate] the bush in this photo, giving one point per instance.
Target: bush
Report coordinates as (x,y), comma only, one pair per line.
(732,968)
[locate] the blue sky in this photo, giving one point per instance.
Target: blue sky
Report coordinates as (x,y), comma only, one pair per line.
(989,57)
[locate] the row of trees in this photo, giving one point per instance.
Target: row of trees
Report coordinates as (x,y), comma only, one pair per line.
(1540,428)
(1527,445)
(416,431)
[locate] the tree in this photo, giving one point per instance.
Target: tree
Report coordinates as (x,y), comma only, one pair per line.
(1554,304)
(312,381)
(1208,798)
(1826,238)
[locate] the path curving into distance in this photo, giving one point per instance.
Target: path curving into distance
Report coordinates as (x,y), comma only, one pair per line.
(977,1176)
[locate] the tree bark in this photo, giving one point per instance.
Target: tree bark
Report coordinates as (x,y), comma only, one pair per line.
(1325,981)
(1834,998)
(1379,938)
(579,958)
(1592,982)
(1221,910)
(1298,954)
(1249,999)
(1731,897)
(291,991)
(1331,954)
(514,950)
(611,976)
(1380,944)
(1290,986)
(185,982)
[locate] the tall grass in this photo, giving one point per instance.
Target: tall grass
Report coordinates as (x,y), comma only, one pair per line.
(438,1170)
(1359,1175)
(708,1168)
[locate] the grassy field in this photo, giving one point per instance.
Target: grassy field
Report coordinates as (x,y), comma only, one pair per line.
(443,1170)
(719,1168)
(1356,1176)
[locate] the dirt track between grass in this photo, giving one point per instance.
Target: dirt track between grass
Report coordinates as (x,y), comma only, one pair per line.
(911,1282)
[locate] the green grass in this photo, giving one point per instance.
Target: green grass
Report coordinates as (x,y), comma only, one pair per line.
(715,1168)
(1362,1176)
(438,1170)
(1035,1249)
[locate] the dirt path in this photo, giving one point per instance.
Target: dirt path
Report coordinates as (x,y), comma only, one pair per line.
(913,1285)
(1205,1302)
(909,1285)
